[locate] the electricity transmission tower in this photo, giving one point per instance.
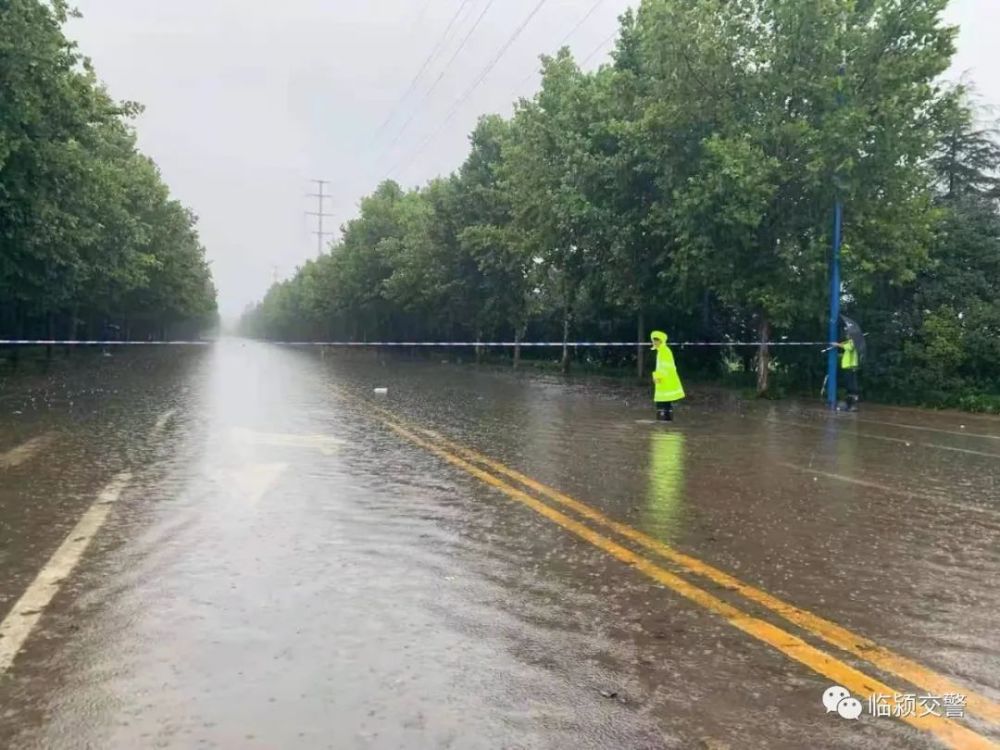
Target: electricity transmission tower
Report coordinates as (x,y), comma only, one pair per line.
(320,213)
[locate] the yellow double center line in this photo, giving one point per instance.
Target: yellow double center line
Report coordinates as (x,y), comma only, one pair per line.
(950,733)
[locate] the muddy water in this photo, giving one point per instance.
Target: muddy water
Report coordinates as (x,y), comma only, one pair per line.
(285,571)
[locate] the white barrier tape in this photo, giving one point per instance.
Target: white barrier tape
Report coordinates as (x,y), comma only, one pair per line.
(526,344)
(45,342)
(557,344)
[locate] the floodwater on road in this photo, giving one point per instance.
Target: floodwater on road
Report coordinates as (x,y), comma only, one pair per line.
(244,546)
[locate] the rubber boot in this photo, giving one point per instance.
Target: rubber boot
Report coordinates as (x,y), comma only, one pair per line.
(662,415)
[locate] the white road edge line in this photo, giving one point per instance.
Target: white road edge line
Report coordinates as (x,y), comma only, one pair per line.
(161,422)
(26,450)
(930,429)
(966,507)
(21,620)
(872,436)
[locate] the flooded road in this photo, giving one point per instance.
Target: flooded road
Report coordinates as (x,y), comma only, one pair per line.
(243,546)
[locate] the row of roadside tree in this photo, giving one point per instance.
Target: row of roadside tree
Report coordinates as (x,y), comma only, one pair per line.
(689,184)
(91,242)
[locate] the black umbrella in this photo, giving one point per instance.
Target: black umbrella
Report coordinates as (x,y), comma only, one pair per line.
(854,332)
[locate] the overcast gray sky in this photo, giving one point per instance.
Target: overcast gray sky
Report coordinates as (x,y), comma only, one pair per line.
(247,101)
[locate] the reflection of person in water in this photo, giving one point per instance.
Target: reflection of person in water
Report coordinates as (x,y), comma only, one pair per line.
(665,496)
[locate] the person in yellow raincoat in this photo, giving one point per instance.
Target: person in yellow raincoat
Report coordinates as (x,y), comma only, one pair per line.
(850,363)
(666,381)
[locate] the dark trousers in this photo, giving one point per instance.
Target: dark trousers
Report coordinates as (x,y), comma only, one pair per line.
(853,388)
(851,382)
(664,410)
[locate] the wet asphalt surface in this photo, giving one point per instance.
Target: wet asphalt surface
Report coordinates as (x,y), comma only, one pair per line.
(283,570)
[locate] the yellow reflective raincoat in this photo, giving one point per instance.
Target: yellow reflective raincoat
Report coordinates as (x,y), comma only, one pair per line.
(665,378)
(849,360)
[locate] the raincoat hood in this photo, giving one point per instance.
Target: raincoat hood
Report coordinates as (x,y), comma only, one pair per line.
(658,335)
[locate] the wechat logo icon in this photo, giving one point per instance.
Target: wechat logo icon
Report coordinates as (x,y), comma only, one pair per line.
(839,700)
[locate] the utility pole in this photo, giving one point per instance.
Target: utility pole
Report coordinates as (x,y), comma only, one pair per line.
(320,213)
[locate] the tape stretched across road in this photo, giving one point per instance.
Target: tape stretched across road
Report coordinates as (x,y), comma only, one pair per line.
(45,342)
(511,344)
(539,344)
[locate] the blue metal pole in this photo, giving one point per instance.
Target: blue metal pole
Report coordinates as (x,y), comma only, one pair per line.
(838,221)
(831,362)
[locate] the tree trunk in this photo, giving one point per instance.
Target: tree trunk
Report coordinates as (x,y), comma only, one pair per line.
(71,329)
(518,332)
(763,357)
(565,344)
(50,328)
(479,348)
(15,355)
(640,350)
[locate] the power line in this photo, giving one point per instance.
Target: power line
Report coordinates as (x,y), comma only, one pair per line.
(433,54)
(571,32)
(493,63)
(598,48)
(441,75)
(320,213)
(475,84)
(581,22)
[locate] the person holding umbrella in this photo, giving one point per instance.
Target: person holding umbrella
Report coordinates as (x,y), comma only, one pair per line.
(666,381)
(850,361)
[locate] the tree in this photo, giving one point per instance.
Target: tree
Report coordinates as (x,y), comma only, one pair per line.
(940,335)
(87,227)
(543,172)
(763,129)
(693,179)
(489,237)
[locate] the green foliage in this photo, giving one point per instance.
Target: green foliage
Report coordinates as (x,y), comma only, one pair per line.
(938,336)
(88,233)
(690,184)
